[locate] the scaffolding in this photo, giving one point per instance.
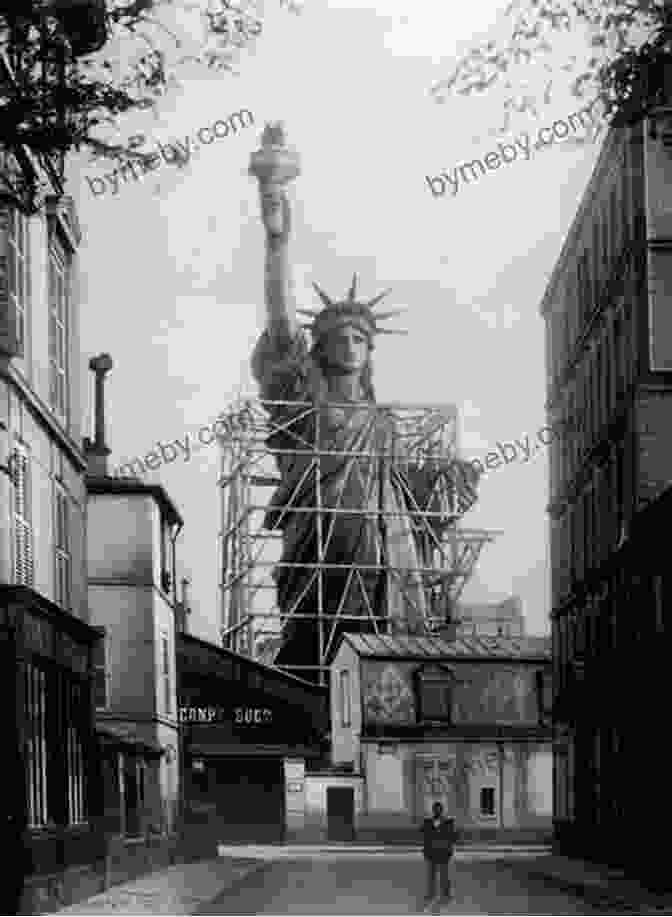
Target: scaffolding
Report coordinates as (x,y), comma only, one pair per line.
(433,489)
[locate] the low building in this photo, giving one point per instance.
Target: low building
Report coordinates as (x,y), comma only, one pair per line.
(248,732)
(416,720)
(132,532)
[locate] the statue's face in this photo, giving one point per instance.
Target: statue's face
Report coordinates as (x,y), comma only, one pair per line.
(345,349)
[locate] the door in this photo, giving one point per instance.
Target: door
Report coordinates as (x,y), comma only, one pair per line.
(131,796)
(340,813)
(436,783)
(249,795)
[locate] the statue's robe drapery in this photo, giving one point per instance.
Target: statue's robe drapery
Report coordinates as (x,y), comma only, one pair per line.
(323,480)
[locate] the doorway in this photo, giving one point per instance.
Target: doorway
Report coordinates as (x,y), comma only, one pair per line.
(436,782)
(340,813)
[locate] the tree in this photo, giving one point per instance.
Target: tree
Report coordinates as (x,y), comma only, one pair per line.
(626,67)
(70,67)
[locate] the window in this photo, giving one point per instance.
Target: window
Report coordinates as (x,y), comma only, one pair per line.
(24,567)
(604,235)
(58,329)
(608,372)
(56,720)
(166,579)
(585,292)
(619,490)
(614,225)
(487,802)
(62,547)
(101,671)
(130,776)
(345,699)
(599,388)
(76,776)
(165,674)
(542,690)
(15,273)
(619,370)
(566,338)
(659,606)
(434,688)
(588,531)
(596,253)
(36,745)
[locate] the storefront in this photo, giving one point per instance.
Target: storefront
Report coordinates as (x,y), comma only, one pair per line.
(246,731)
(52,779)
(463,722)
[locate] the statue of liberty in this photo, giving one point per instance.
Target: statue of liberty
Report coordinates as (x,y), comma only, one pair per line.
(345,502)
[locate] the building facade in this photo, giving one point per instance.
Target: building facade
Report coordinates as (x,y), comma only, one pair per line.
(46,637)
(609,385)
(417,720)
(248,732)
(132,528)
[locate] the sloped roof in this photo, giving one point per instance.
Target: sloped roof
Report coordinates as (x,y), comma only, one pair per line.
(433,646)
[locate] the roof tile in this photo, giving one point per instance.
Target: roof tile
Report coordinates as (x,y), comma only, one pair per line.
(467,646)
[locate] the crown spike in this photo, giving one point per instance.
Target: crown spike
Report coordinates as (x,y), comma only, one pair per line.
(391,331)
(376,299)
(353,288)
(323,296)
(312,313)
(381,316)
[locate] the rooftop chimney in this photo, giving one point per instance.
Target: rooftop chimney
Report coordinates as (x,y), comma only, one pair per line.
(97,451)
(183,609)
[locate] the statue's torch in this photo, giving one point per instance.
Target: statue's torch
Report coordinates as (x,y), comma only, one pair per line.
(274,166)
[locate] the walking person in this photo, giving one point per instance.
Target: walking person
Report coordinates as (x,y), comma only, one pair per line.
(439,836)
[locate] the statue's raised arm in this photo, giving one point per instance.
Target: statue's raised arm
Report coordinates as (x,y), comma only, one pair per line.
(274,165)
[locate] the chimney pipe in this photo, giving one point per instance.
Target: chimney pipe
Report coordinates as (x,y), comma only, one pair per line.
(183,610)
(97,451)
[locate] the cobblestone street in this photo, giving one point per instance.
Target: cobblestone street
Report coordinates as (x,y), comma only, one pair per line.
(393,885)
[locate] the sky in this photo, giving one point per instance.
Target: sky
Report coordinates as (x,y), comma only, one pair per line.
(172,265)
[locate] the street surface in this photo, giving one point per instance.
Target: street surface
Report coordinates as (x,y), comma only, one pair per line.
(391,884)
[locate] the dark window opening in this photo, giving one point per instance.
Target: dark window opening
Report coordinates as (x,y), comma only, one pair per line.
(434,690)
(488,801)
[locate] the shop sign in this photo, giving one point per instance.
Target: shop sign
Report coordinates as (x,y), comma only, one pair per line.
(241,716)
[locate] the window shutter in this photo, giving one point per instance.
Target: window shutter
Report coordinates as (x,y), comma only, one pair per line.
(166,674)
(62,548)
(101,673)
(345,699)
(58,328)
(24,567)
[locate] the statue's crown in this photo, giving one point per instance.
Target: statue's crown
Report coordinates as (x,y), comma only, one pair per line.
(348,312)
